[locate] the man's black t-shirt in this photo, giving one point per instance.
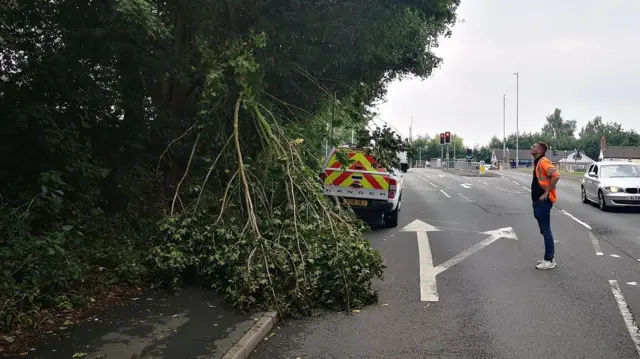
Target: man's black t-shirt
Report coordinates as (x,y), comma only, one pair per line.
(536,190)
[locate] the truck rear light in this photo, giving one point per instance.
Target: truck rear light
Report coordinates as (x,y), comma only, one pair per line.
(392,188)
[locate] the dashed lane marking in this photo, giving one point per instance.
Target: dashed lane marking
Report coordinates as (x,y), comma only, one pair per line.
(596,244)
(445,193)
(429,182)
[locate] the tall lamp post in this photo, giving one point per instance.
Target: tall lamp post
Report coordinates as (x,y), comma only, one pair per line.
(517,120)
(504,132)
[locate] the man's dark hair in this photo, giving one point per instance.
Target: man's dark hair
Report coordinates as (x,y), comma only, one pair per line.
(543,146)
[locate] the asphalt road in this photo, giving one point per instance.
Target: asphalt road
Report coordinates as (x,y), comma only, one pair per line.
(491,301)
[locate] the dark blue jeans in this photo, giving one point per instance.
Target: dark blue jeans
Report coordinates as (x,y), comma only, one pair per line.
(542,212)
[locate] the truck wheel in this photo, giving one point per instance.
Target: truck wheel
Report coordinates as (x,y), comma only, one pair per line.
(391,219)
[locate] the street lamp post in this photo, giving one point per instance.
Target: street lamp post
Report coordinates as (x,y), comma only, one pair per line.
(504,132)
(517,120)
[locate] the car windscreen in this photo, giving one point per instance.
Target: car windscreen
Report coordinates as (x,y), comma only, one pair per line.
(619,171)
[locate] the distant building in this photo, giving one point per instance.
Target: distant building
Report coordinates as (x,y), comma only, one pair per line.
(618,153)
(524,157)
(572,164)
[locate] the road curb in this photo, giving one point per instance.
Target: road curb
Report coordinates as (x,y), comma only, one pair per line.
(250,340)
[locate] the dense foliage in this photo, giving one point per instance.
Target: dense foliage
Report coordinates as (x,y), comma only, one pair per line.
(174,139)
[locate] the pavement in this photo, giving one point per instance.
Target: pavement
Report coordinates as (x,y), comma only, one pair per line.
(196,323)
(461,280)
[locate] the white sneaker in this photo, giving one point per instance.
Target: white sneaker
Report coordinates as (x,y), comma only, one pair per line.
(546,264)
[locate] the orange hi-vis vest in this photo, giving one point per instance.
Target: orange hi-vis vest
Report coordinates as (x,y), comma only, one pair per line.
(545,170)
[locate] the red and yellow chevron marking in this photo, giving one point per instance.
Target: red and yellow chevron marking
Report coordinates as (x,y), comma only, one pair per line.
(345,179)
(361,162)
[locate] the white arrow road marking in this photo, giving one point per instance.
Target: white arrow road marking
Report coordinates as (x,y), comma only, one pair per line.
(428,273)
(465,185)
(494,235)
(629,321)
(632,283)
(428,286)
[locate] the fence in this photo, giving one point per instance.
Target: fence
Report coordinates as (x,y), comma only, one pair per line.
(463,165)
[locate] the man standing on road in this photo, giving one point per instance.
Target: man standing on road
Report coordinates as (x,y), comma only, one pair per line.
(543,195)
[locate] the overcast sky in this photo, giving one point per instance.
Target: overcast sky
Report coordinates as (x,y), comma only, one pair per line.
(582,56)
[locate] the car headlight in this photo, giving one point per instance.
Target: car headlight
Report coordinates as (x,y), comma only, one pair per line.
(614,189)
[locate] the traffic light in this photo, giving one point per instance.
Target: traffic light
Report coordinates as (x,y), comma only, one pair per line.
(447,137)
(442,138)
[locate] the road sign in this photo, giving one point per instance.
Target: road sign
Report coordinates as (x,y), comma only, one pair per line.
(428,273)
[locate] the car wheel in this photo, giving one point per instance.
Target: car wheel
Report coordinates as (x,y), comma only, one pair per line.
(391,219)
(584,196)
(601,202)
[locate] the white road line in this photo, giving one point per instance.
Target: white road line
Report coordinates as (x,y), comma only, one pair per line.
(528,189)
(596,244)
(629,321)
(467,178)
(515,182)
(465,197)
(428,287)
(575,219)
(429,182)
(445,193)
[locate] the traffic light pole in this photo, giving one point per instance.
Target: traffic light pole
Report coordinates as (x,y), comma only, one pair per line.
(453,141)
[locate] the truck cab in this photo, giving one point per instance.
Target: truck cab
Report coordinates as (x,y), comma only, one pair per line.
(372,191)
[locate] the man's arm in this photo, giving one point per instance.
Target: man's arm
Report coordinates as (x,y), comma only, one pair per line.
(553,176)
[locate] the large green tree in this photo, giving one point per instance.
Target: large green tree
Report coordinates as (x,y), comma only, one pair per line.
(169,139)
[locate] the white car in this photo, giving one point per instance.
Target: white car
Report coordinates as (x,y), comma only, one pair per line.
(612,184)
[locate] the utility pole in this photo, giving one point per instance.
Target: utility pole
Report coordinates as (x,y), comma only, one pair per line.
(504,132)
(453,142)
(326,142)
(517,119)
(411,131)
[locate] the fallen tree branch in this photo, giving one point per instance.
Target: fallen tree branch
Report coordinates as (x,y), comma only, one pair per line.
(193,151)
